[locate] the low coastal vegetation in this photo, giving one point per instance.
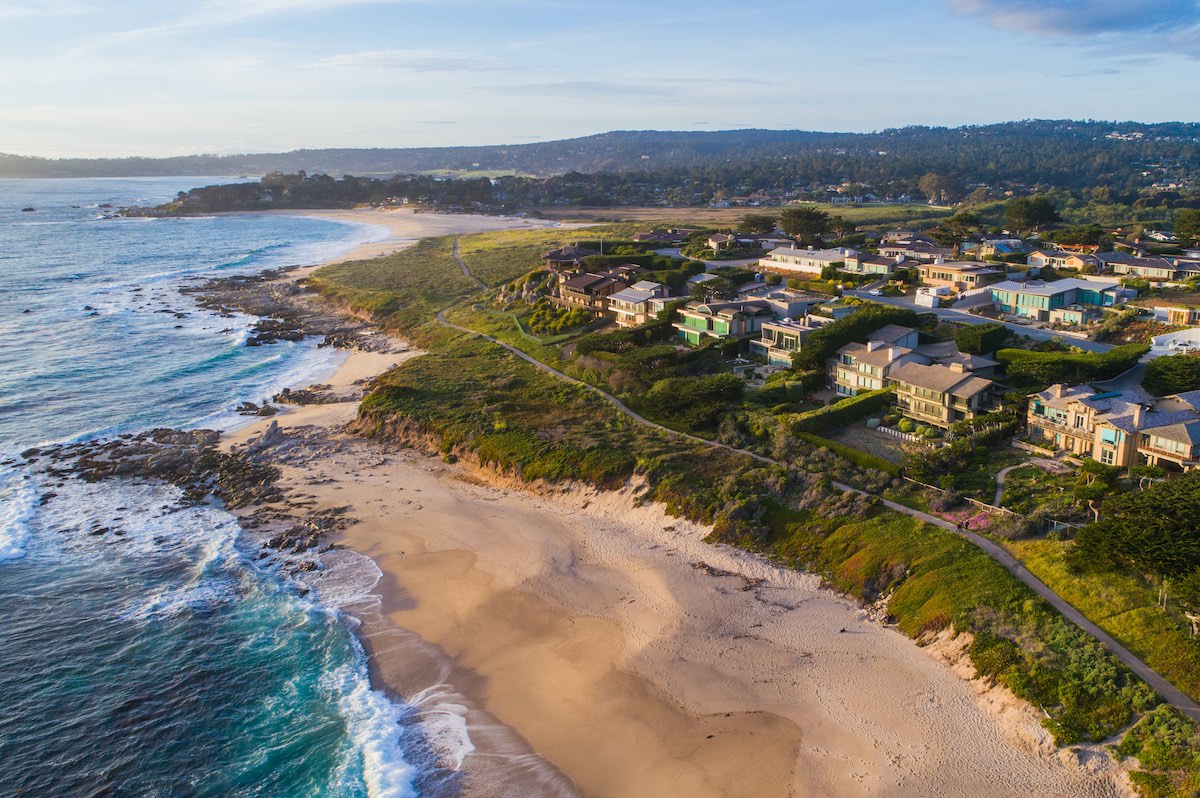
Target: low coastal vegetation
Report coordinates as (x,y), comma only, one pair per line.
(470,399)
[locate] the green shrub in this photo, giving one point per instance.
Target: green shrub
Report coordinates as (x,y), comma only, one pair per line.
(980,339)
(1039,369)
(906,425)
(841,413)
(1172,374)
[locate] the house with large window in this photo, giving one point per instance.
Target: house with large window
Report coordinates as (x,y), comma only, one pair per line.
(913,247)
(866,367)
(588,292)
(631,305)
(1127,265)
(1035,299)
(939,394)
(1117,429)
(859,263)
(806,261)
(780,340)
(1061,259)
(959,275)
(700,320)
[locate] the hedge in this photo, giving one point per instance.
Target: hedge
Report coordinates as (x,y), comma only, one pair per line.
(842,413)
(824,342)
(1046,368)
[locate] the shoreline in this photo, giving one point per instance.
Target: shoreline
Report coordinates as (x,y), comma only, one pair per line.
(639,660)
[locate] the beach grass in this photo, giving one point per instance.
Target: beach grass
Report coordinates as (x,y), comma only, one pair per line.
(1123,605)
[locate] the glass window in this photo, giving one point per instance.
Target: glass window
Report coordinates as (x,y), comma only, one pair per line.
(1107,456)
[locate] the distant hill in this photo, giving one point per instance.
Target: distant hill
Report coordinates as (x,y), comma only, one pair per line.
(1027,152)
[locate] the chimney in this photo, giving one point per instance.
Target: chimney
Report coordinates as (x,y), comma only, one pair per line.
(900,258)
(959,367)
(873,345)
(893,353)
(1056,390)
(1139,416)
(938,261)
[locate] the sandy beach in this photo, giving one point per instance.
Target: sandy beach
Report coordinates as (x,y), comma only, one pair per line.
(597,647)
(405,226)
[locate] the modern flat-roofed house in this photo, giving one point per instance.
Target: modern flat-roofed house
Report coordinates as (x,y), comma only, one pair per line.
(1060,259)
(1116,429)
(807,261)
(788,303)
(1035,299)
(1122,263)
(939,394)
(859,263)
(698,320)
(780,340)
(959,275)
(632,305)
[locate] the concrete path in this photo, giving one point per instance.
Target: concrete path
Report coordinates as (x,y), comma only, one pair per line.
(1168,691)
(1000,477)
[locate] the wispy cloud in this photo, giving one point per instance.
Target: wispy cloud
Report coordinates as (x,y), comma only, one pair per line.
(1160,27)
(411,61)
(1081,18)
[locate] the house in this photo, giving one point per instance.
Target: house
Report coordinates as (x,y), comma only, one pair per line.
(632,305)
(939,394)
(719,240)
(1074,315)
(959,275)
(1116,429)
(859,263)
(864,367)
(1059,259)
(1035,299)
(915,248)
(997,248)
(569,257)
(808,261)
(1180,316)
(588,292)
(780,340)
(1122,263)
(788,303)
(698,320)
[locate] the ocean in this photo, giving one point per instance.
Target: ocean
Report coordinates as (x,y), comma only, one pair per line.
(159,659)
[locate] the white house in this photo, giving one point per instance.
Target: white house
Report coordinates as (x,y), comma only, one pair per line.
(808,261)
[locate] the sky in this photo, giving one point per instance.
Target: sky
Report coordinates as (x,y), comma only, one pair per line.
(100,78)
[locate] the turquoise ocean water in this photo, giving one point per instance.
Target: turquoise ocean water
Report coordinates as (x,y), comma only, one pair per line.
(160,660)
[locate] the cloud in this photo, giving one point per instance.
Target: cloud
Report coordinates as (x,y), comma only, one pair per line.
(1084,18)
(411,61)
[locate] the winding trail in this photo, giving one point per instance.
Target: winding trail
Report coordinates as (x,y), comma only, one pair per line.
(1001,475)
(1169,692)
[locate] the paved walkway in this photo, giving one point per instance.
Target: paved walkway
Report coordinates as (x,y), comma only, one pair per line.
(1168,691)
(1000,477)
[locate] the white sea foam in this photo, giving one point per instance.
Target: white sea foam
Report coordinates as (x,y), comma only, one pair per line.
(444,722)
(374,725)
(345,578)
(18,503)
